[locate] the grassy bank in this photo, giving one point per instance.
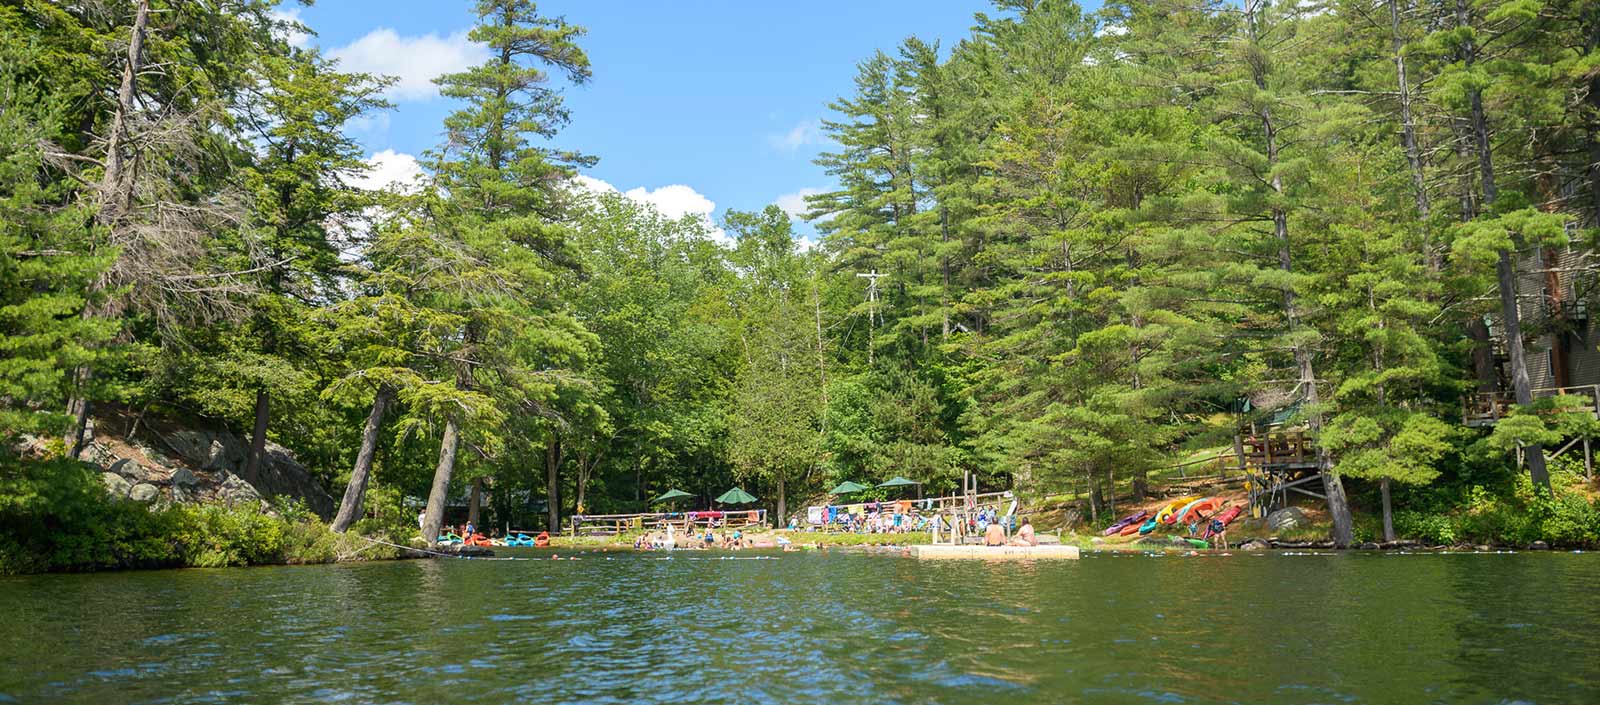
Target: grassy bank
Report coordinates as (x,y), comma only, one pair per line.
(57,516)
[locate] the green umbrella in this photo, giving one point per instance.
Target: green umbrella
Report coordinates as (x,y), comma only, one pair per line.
(671,494)
(736,495)
(897,482)
(847,487)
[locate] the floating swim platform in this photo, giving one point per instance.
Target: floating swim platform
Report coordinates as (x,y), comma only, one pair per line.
(1008,553)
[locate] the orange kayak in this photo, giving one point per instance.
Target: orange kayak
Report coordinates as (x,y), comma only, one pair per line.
(1195,509)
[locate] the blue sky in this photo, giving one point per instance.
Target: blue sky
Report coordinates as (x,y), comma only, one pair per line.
(693,103)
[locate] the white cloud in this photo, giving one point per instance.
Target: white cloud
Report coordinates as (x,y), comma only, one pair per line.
(804,133)
(294,37)
(1111,30)
(795,203)
(413,61)
(389,168)
(673,201)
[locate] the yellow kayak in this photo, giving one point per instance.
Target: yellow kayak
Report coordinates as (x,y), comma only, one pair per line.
(1167,511)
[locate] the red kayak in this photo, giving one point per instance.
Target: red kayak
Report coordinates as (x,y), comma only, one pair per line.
(477,540)
(1226,517)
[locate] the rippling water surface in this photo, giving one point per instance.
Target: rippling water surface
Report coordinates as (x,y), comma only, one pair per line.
(836,627)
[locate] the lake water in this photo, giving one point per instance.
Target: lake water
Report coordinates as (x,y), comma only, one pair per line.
(837,627)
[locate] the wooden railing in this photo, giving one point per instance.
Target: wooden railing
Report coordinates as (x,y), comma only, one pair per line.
(1282,449)
(1487,408)
(613,524)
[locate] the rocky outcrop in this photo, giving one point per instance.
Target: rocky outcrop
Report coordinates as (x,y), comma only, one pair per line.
(1286,518)
(159,462)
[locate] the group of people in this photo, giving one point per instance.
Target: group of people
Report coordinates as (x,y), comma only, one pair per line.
(873,518)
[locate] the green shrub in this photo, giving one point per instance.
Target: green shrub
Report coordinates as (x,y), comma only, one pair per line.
(56,516)
(1427,527)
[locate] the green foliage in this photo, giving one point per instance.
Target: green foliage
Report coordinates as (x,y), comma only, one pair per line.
(55,515)
(1098,239)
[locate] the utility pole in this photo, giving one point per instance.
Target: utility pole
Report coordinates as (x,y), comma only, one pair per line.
(872,305)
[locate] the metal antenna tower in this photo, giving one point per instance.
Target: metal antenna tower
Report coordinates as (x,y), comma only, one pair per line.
(872,305)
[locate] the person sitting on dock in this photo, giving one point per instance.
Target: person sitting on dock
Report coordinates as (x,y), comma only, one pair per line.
(994,535)
(1025,535)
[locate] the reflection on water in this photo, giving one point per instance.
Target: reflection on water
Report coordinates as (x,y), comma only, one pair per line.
(801,627)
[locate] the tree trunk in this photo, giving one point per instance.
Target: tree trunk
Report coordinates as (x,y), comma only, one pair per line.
(350,506)
(78,409)
(1094,497)
(1482,355)
(1388,512)
(474,500)
(1408,136)
(782,508)
(584,469)
(113,200)
(433,516)
(552,479)
(1506,269)
(258,436)
(1591,43)
(1111,492)
(1338,503)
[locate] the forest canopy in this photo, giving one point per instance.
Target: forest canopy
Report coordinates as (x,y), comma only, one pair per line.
(1061,253)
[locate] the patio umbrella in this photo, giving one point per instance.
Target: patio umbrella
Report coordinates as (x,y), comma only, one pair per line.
(736,495)
(671,495)
(847,487)
(898,481)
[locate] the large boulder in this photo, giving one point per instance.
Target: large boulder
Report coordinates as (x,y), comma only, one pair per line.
(116,485)
(1287,518)
(189,462)
(144,492)
(234,490)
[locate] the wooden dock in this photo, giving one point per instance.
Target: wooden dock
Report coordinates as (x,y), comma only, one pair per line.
(996,553)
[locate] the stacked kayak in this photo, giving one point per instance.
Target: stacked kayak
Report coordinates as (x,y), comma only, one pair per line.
(477,540)
(519,539)
(448,538)
(1194,510)
(1165,515)
(1123,523)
